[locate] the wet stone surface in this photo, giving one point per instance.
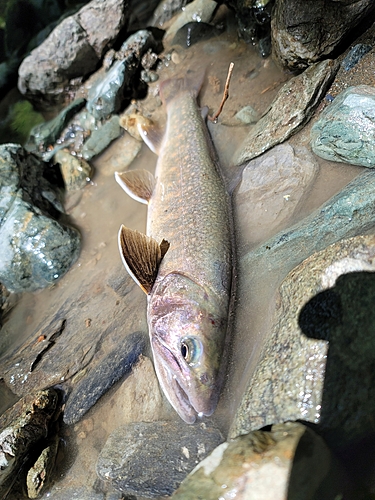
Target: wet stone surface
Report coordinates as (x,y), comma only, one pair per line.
(289,382)
(22,429)
(275,464)
(151,459)
(65,344)
(345,129)
(112,368)
(291,109)
(36,248)
(285,173)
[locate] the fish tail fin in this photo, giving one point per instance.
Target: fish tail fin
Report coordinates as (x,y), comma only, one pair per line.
(173,87)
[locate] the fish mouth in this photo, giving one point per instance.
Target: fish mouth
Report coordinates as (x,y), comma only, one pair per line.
(169,372)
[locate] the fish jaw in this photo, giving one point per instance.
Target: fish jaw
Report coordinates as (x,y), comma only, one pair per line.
(187,329)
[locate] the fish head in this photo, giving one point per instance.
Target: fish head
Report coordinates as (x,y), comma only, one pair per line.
(187,326)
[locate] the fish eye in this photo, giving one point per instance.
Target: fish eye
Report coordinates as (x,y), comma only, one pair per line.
(191,350)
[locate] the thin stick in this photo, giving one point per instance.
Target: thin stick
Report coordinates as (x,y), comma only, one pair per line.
(225,95)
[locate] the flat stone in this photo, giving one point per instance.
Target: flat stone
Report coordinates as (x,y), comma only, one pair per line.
(151,459)
(61,356)
(101,138)
(111,368)
(290,377)
(345,129)
(272,187)
(289,461)
(292,107)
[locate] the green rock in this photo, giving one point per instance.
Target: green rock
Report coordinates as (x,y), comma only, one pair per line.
(345,130)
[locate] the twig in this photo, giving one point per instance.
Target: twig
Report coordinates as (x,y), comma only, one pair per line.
(225,95)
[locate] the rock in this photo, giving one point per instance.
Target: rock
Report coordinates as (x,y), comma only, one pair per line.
(112,368)
(285,171)
(102,21)
(36,250)
(302,34)
(254,22)
(289,111)
(345,129)
(39,475)
(289,382)
(289,461)
(354,55)
(344,316)
(138,398)
(72,50)
(75,171)
(44,135)
(101,138)
(106,95)
(22,428)
(53,353)
(196,11)
(165,10)
(151,459)
(247,115)
(195,32)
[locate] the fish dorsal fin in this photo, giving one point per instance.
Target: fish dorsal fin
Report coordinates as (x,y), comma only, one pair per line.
(139,184)
(151,135)
(141,256)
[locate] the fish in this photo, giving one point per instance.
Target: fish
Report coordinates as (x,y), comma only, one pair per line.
(184,262)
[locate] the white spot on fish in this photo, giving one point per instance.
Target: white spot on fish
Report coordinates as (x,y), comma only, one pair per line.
(185,452)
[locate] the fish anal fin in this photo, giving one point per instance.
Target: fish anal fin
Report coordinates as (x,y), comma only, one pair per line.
(141,256)
(139,184)
(151,135)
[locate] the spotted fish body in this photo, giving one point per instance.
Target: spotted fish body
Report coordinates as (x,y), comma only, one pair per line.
(188,302)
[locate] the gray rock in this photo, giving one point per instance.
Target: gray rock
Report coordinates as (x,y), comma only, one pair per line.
(344,316)
(114,366)
(36,250)
(304,33)
(22,427)
(345,129)
(289,461)
(151,459)
(291,374)
(272,187)
(289,111)
(198,10)
(106,95)
(101,138)
(103,320)
(72,50)
(354,55)
(165,10)
(75,171)
(44,135)
(247,115)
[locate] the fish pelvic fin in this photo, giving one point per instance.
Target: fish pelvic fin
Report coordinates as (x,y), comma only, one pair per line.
(139,184)
(173,87)
(141,256)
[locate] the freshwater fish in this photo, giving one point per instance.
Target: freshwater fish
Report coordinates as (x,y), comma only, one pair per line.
(184,263)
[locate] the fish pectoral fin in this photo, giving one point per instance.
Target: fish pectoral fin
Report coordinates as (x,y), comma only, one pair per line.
(139,184)
(151,135)
(141,256)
